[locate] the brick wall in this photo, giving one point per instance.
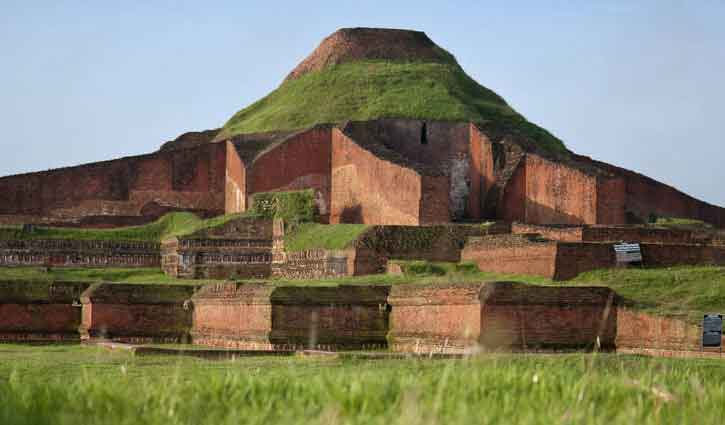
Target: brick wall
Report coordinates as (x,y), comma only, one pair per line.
(659,255)
(111,192)
(233,315)
(367,188)
(426,318)
(646,197)
(236,182)
(482,172)
(266,317)
(637,329)
(512,254)
(240,248)
(137,313)
(452,318)
(512,205)
(575,258)
(78,253)
(611,200)
(515,315)
(313,264)
(634,233)
(40,311)
(556,193)
(301,162)
(567,233)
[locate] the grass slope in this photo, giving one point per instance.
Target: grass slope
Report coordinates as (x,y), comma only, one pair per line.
(687,290)
(368,90)
(314,235)
(82,384)
(172,224)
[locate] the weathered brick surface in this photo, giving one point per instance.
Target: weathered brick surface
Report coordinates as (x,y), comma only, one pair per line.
(427,318)
(631,233)
(500,315)
(525,254)
(266,317)
(235,197)
(646,197)
(302,161)
(137,313)
(566,233)
(40,311)
(512,254)
(575,258)
(556,193)
(525,316)
(140,186)
(660,255)
(640,330)
(313,264)
(78,253)
(240,248)
(368,188)
(433,243)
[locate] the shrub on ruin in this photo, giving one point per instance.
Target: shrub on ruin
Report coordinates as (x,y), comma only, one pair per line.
(293,207)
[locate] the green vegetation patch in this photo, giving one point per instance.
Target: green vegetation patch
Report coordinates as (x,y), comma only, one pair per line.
(688,290)
(167,226)
(139,275)
(293,207)
(422,268)
(84,384)
(682,223)
(367,90)
(325,236)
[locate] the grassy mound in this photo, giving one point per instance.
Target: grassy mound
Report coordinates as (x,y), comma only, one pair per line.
(372,89)
(314,235)
(685,290)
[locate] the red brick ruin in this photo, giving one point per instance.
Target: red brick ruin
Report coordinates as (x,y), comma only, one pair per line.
(373,172)
(425,187)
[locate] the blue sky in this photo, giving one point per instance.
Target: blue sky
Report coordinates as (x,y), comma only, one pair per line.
(637,84)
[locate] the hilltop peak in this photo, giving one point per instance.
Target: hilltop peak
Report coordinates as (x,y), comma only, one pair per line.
(358,44)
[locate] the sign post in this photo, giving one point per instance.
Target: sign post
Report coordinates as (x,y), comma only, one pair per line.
(712,331)
(628,253)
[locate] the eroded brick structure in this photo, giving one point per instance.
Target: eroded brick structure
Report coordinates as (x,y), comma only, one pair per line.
(388,171)
(78,253)
(136,313)
(562,260)
(268,317)
(40,311)
(240,248)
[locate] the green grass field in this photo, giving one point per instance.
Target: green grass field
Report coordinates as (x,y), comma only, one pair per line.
(72,384)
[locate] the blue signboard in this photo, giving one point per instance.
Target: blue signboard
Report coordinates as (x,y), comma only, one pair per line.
(712,330)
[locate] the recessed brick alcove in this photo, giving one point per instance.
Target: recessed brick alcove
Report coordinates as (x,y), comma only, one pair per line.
(40,311)
(136,313)
(269,317)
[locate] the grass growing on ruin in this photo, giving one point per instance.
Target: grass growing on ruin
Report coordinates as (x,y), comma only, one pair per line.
(688,290)
(169,225)
(76,384)
(368,90)
(110,275)
(315,235)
